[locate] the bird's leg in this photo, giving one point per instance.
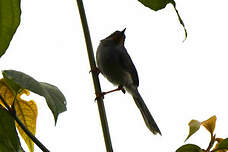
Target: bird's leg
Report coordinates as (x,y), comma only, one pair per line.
(95,70)
(114,90)
(101,95)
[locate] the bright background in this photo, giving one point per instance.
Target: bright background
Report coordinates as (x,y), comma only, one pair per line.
(179,81)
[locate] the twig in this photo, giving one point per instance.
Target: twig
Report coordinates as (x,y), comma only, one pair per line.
(211,143)
(96,82)
(28,133)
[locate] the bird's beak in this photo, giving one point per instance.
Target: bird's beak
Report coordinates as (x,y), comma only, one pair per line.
(123,31)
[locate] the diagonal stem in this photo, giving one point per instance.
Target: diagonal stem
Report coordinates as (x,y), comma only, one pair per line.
(28,133)
(96,82)
(211,143)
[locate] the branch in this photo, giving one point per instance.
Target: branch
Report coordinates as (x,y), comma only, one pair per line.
(96,82)
(28,133)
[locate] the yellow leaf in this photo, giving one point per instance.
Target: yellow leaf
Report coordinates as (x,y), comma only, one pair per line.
(210,124)
(219,140)
(27,112)
(194,126)
(6,93)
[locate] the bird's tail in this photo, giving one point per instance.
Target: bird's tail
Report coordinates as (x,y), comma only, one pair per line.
(149,120)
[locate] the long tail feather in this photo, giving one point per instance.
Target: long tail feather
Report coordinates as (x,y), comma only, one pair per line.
(149,120)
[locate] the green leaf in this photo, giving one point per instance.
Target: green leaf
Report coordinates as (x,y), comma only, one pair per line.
(194,126)
(12,86)
(54,97)
(160,4)
(9,140)
(223,145)
(189,148)
(10,13)
(155,4)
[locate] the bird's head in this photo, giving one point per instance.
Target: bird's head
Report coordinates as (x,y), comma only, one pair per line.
(118,37)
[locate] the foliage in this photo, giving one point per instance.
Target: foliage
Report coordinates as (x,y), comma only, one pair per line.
(27,113)
(25,110)
(54,98)
(12,86)
(10,13)
(209,124)
(9,140)
(189,148)
(160,4)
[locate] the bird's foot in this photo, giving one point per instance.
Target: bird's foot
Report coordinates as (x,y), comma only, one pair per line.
(95,71)
(99,95)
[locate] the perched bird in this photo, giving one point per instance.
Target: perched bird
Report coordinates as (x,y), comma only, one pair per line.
(115,64)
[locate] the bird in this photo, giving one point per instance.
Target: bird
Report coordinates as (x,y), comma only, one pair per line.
(114,63)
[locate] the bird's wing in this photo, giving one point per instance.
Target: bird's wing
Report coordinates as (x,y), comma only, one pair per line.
(129,66)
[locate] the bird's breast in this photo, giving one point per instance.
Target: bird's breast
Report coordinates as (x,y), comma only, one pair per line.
(108,61)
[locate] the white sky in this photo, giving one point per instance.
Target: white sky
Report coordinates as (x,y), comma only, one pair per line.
(178,81)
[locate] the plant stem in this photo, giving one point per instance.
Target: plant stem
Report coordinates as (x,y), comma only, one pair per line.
(28,133)
(211,143)
(96,82)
